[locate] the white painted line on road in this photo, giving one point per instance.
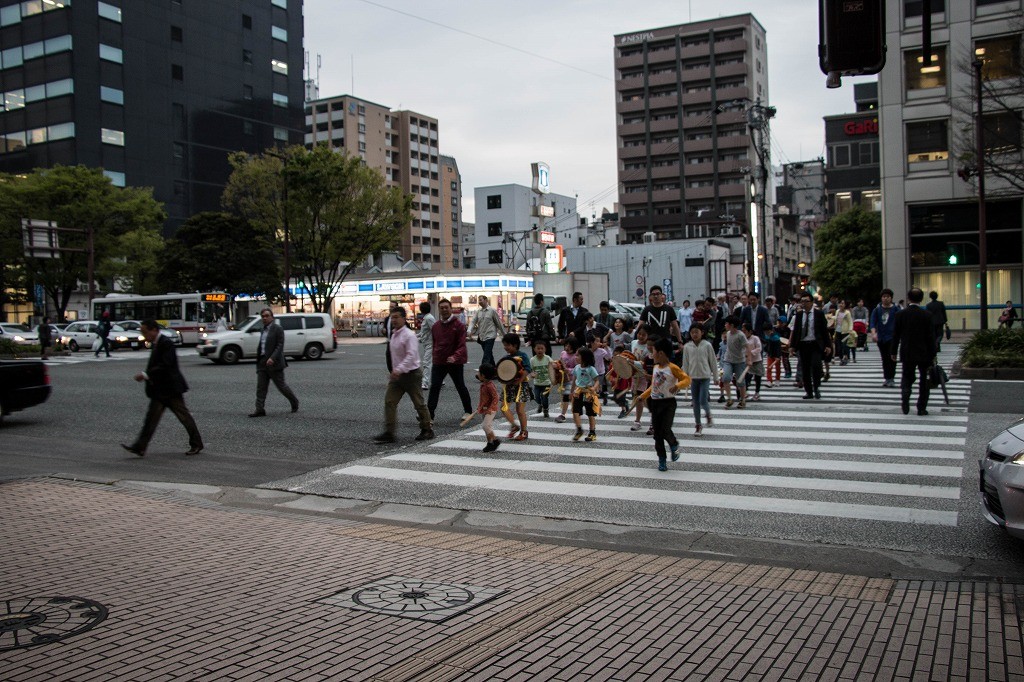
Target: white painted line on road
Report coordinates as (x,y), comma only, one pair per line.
(756,480)
(684,417)
(672,497)
(641,451)
(811,416)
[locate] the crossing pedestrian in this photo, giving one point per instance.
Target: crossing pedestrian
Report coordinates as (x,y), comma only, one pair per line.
(660,318)
(487,405)
(735,362)
(571,319)
(861,322)
(540,365)
(516,393)
(784,332)
(406,378)
(666,381)
(883,322)
(584,394)
(426,339)
(913,341)
(755,363)
(103,332)
(700,363)
(538,323)
(844,327)
(568,360)
(939,319)
(755,314)
(685,317)
(450,357)
(641,380)
(809,338)
(45,338)
(270,364)
(487,327)
(773,354)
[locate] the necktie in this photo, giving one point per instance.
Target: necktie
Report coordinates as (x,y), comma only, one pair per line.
(807,324)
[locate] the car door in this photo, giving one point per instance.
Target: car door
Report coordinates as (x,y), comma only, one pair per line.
(294,334)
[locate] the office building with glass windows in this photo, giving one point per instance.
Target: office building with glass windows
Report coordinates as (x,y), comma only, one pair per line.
(158,93)
(926,124)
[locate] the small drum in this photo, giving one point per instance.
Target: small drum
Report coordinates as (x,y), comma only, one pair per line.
(557,371)
(510,371)
(624,365)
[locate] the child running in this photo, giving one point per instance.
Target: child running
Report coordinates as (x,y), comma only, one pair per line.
(641,380)
(584,394)
(568,360)
(601,357)
(700,363)
(487,405)
(773,349)
(517,391)
(666,381)
(755,365)
(541,375)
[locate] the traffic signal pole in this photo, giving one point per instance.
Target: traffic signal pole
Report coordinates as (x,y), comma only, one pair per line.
(982,238)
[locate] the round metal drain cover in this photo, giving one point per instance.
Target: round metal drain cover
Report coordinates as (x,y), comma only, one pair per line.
(31,621)
(412,597)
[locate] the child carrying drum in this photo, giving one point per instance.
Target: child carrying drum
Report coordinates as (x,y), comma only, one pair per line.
(516,390)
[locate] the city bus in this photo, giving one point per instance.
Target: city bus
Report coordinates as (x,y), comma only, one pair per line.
(190,314)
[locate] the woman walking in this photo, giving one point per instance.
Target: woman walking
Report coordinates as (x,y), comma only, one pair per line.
(844,327)
(701,364)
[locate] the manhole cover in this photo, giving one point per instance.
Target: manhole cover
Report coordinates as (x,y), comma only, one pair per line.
(31,621)
(413,598)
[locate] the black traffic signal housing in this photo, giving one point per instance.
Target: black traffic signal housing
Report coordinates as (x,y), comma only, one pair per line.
(851,37)
(804,281)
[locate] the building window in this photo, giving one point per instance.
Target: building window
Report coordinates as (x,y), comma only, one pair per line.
(915,8)
(277,66)
(494,257)
(927,141)
(283,4)
(177,35)
(279,99)
(868,153)
(177,72)
(247,92)
(921,76)
(117,178)
(493,229)
(839,155)
(115,137)
(247,128)
(246,21)
(281,134)
(494,201)
(1000,56)
(111,54)
(60,131)
(247,56)
(871,200)
(278,33)
(108,11)
(178,150)
(1002,132)
(112,95)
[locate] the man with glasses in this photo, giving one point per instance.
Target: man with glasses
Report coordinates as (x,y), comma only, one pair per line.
(660,319)
(809,337)
(270,364)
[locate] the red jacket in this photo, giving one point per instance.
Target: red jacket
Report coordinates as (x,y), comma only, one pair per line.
(449,340)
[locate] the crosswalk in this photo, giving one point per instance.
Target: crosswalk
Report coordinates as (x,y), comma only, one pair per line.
(79,358)
(851,458)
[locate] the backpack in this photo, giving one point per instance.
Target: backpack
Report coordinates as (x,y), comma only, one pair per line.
(533,325)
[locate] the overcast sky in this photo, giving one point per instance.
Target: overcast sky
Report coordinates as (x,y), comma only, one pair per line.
(499,109)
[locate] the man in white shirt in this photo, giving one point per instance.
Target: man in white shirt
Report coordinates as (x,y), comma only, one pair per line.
(405,378)
(487,327)
(426,344)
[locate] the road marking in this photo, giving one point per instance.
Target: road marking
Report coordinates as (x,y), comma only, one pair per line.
(684,417)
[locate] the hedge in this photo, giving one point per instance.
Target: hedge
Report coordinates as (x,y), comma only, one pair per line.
(994,348)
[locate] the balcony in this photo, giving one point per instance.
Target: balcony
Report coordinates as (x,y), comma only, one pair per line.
(662,79)
(631,61)
(735,45)
(662,172)
(702,73)
(694,51)
(692,146)
(700,193)
(664,148)
(633,198)
(741,69)
(632,152)
(737,92)
(692,170)
(693,98)
(665,195)
(733,191)
(627,129)
(628,107)
(734,142)
(665,125)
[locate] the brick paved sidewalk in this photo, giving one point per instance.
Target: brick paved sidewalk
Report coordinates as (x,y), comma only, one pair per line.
(200,592)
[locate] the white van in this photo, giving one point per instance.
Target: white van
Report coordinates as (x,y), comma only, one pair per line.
(306,335)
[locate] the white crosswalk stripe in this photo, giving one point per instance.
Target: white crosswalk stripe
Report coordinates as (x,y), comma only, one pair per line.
(79,358)
(851,457)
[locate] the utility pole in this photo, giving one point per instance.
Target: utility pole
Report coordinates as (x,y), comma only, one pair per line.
(757,119)
(287,236)
(982,218)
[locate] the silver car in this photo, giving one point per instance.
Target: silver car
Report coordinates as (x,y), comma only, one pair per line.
(1002,480)
(20,334)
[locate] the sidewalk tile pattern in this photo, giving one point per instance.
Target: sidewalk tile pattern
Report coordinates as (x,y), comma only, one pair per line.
(200,592)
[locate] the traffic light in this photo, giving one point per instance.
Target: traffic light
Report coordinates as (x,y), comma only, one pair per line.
(953,260)
(804,281)
(851,38)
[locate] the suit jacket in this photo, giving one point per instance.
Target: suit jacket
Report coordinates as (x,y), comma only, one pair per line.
(165,379)
(274,349)
(756,317)
(938,310)
(569,323)
(821,336)
(913,340)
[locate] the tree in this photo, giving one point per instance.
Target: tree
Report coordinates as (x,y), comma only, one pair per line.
(336,209)
(135,263)
(221,252)
(78,198)
(849,255)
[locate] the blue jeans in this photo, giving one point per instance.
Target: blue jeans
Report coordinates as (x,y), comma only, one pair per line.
(701,389)
(540,395)
(488,348)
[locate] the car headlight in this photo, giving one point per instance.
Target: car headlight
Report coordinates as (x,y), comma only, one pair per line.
(212,342)
(121,339)
(1018,458)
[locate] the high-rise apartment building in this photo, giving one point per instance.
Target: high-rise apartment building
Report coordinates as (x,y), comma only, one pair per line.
(404,146)
(451,212)
(930,221)
(156,92)
(684,97)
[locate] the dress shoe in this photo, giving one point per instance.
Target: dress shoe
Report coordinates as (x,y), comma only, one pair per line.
(817,395)
(258,413)
(134,450)
(295,406)
(906,408)
(425,434)
(194,450)
(807,396)
(922,413)
(384,438)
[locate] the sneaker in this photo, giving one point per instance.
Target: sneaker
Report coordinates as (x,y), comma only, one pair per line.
(650,430)
(465,417)
(513,432)
(579,434)
(721,398)
(545,414)
(708,421)
(540,410)
(591,437)
(662,466)
(698,431)
(757,396)
(134,450)
(560,418)
(675,451)
(523,435)
(490,447)
(636,427)
(622,413)
(425,434)
(495,443)
(741,404)
(728,405)
(384,438)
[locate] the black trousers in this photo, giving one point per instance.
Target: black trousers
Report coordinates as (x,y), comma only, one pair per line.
(263,378)
(912,371)
(810,366)
(663,412)
(156,409)
(437,375)
(888,364)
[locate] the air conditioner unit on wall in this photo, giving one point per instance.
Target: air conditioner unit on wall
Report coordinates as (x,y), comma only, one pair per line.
(648,237)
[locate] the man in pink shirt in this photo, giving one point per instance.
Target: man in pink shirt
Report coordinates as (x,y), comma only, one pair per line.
(406,377)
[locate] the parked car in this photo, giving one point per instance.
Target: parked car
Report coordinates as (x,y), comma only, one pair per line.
(82,334)
(136,326)
(1002,480)
(23,383)
(306,335)
(20,334)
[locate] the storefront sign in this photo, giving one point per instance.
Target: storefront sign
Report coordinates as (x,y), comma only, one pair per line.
(861,127)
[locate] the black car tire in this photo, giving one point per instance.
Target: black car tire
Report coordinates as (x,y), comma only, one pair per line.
(231,355)
(314,351)
(73,345)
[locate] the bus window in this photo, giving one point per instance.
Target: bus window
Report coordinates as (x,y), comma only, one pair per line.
(192,312)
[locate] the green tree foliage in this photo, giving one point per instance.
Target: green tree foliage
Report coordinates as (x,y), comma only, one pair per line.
(849,255)
(136,261)
(337,211)
(79,198)
(221,252)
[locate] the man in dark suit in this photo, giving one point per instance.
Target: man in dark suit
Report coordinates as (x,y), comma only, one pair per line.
(939,319)
(755,314)
(809,337)
(913,342)
(165,387)
(270,364)
(570,321)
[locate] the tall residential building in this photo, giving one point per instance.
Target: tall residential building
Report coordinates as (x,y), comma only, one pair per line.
(156,92)
(451,212)
(509,221)
(684,98)
(404,146)
(930,219)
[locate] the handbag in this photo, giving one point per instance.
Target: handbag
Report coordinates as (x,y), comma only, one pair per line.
(948,332)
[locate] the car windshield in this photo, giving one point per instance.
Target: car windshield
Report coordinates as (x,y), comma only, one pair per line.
(249,322)
(15,328)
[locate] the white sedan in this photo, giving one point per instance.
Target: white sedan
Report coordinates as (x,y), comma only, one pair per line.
(20,334)
(82,335)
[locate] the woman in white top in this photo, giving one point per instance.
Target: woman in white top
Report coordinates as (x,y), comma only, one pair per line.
(700,362)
